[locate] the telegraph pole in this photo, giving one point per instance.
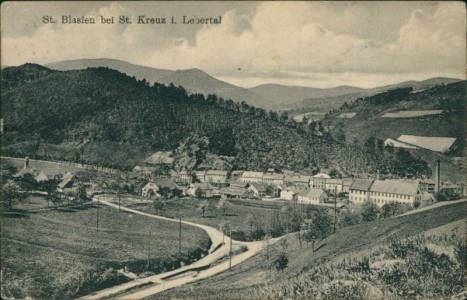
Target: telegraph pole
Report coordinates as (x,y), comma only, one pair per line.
(230,251)
(180,238)
(119,201)
(149,246)
(97,222)
(335,208)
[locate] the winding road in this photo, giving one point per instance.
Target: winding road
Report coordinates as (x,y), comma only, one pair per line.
(161,282)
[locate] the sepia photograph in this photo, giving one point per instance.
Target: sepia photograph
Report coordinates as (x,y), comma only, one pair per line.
(233,150)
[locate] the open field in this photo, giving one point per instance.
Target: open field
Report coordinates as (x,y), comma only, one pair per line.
(411,113)
(60,254)
(253,280)
(48,167)
(235,214)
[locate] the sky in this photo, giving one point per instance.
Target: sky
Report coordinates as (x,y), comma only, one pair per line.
(315,44)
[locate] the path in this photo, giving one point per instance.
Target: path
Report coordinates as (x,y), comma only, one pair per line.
(160,282)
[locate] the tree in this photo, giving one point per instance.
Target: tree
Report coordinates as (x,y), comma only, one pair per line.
(225,228)
(50,186)
(158,205)
(369,211)
(319,227)
(348,218)
(203,206)
(81,194)
(281,262)
(222,206)
(10,194)
(199,193)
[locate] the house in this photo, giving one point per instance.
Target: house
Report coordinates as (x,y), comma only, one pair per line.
(451,188)
(273,178)
(304,180)
(319,180)
(184,177)
(273,191)
(66,182)
(234,192)
(290,193)
(155,187)
(398,144)
(346,184)
(394,191)
(312,196)
(258,189)
(427,185)
(199,175)
(207,189)
(359,191)
(335,186)
(250,176)
(215,176)
(37,174)
(151,188)
(236,175)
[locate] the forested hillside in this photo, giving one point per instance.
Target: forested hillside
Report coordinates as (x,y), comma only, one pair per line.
(104,117)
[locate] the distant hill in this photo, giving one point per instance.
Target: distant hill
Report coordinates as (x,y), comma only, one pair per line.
(335,97)
(194,80)
(287,95)
(140,72)
(197,81)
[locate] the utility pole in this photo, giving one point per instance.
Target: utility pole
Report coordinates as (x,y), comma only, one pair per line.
(180,238)
(335,208)
(119,202)
(149,247)
(230,251)
(97,223)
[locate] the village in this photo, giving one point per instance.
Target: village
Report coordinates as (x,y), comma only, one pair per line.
(319,189)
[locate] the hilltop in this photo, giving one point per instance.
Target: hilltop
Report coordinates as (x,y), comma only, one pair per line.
(101,116)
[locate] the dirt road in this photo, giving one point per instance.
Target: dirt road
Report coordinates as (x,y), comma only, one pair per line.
(164,281)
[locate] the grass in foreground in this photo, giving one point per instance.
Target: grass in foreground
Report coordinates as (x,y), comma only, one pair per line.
(60,254)
(253,279)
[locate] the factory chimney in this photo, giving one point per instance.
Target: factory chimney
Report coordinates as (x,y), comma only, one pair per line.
(438,176)
(26,162)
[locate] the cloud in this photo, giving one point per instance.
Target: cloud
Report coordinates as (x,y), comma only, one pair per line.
(349,42)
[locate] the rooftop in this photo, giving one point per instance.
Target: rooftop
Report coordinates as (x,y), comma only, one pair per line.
(400,187)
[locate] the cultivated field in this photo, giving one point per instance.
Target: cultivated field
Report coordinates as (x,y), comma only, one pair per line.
(253,280)
(60,254)
(411,113)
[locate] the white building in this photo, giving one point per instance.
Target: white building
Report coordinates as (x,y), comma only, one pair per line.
(250,176)
(395,191)
(312,196)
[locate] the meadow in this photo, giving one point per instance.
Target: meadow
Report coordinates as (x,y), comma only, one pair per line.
(60,253)
(311,274)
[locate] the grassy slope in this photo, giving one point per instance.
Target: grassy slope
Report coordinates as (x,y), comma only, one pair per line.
(235,214)
(252,279)
(53,253)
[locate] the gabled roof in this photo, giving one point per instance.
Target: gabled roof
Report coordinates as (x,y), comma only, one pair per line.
(361,184)
(399,187)
(322,175)
(205,186)
(438,144)
(216,172)
(398,144)
(347,181)
(238,184)
(166,182)
(334,181)
(313,193)
(251,174)
(160,157)
(273,176)
(260,187)
(66,180)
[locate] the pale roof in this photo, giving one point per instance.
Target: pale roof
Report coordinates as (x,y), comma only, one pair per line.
(273,176)
(166,182)
(361,184)
(398,144)
(334,181)
(314,193)
(400,187)
(260,187)
(322,175)
(348,115)
(216,172)
(438,144)
(160,157)
(252,174)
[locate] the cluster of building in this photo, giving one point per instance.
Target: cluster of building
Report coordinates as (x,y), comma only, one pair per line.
(297,187)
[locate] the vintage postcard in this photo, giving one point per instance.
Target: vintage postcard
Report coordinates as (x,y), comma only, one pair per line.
(233,150)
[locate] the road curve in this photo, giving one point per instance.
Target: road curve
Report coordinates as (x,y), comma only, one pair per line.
(158,283)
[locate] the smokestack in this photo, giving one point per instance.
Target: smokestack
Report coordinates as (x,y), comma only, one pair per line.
(438,176)
(26,162)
